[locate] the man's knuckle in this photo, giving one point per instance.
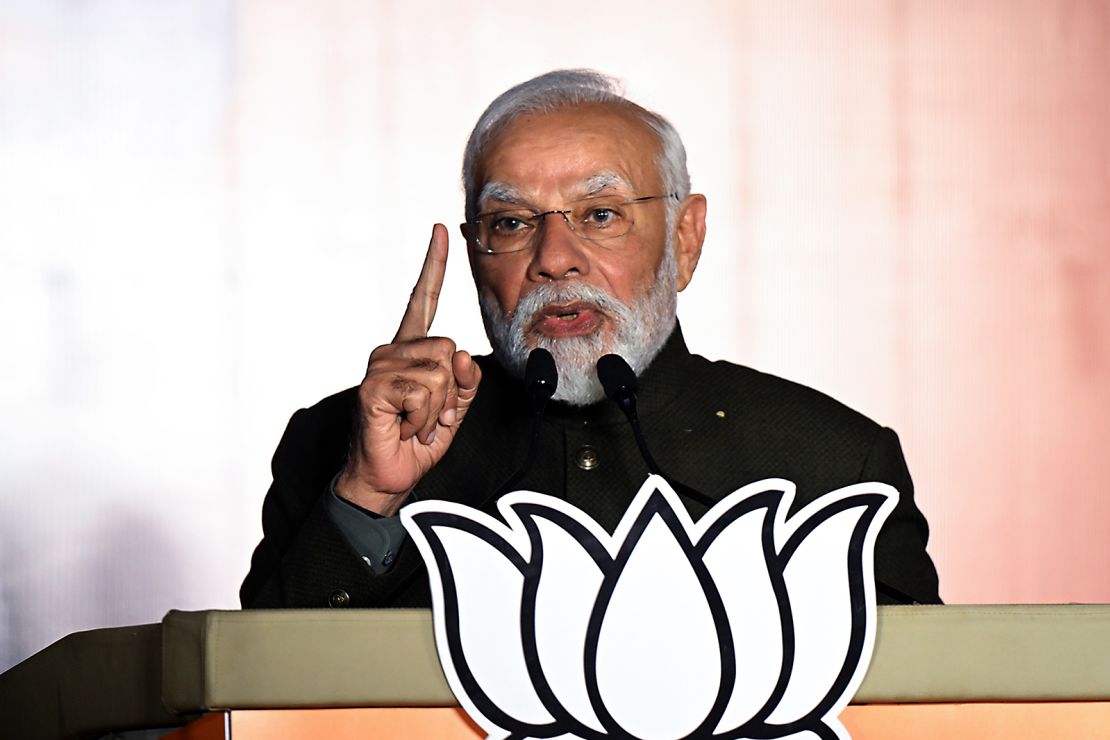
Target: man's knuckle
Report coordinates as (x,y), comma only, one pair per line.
(402,385)
(444,346)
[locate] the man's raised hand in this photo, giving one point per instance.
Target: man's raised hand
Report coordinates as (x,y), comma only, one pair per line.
(415,395)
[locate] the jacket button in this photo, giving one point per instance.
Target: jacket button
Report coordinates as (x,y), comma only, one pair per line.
(586,458)
(339,598)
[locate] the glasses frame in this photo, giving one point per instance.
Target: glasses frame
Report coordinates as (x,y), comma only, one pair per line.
(470,228)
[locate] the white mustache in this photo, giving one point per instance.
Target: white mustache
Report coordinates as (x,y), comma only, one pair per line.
(531,305)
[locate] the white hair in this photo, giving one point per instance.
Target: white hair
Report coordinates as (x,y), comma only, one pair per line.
(566,88)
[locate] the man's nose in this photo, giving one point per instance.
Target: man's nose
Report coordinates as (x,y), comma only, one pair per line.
(558,252)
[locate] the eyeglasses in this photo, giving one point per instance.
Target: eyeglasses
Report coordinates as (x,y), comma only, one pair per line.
(593,219)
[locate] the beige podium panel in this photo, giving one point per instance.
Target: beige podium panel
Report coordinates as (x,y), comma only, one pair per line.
(948,671)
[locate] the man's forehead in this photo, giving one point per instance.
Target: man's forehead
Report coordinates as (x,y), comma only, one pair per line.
(598,183)
(586,148)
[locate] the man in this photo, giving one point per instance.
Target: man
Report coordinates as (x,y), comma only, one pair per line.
(581,230)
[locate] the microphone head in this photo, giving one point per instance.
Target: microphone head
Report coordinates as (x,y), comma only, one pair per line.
(617,378)
(541,378)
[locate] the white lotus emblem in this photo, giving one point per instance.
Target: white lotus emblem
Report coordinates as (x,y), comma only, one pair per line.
(743,625)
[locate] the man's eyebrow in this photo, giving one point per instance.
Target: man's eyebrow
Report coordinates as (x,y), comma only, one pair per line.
(603,181)
(502,193)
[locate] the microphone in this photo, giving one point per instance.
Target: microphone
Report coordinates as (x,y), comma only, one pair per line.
(620,384)
(541,380)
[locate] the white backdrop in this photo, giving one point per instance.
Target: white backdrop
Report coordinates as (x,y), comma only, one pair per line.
(212,210)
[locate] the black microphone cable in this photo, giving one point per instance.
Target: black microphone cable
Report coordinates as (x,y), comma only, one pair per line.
(541,380)
(619,382)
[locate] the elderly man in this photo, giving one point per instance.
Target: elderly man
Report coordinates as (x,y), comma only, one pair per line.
(581,230)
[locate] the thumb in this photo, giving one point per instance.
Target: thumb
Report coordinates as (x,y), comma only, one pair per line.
(467,377)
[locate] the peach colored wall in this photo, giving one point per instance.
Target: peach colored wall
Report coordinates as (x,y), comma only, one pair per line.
(1005,225)
(922,200)
(211,211)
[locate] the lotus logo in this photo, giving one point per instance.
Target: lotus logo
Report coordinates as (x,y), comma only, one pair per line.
(745,624)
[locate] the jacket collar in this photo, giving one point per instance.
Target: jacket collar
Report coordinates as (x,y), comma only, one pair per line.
(659,384)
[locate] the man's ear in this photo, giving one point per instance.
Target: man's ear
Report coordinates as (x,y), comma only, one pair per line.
(689,236)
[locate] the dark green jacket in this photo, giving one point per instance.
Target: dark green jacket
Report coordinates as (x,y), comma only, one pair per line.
(712,426)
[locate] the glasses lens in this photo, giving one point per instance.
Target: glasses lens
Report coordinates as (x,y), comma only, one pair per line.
(506,231)
(601,218)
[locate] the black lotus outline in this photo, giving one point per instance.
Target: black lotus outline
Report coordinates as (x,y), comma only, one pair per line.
(773,500)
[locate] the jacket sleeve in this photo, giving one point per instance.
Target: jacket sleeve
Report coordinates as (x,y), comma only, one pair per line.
(901,561)
(377,539)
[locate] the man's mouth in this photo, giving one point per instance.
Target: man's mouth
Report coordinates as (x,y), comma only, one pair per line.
(567,320)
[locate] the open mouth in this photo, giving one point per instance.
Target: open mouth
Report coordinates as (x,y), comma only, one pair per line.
(568,319)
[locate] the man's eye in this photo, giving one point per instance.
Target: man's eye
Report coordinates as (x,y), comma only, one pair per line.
(602,217)
(508,224)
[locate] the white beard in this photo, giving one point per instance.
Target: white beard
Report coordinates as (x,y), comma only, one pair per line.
(638,330)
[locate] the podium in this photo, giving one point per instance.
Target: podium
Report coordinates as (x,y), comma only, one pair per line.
(938,671)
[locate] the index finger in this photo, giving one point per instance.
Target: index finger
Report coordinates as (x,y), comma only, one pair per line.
(425,294)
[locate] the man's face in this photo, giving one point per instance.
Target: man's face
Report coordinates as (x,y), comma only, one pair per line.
(580,298)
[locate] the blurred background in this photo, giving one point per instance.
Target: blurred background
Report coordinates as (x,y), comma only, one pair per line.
(212,210)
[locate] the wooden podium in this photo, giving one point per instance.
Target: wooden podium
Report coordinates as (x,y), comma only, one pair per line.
(937,672)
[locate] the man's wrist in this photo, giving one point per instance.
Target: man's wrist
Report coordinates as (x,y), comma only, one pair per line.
(349,487)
